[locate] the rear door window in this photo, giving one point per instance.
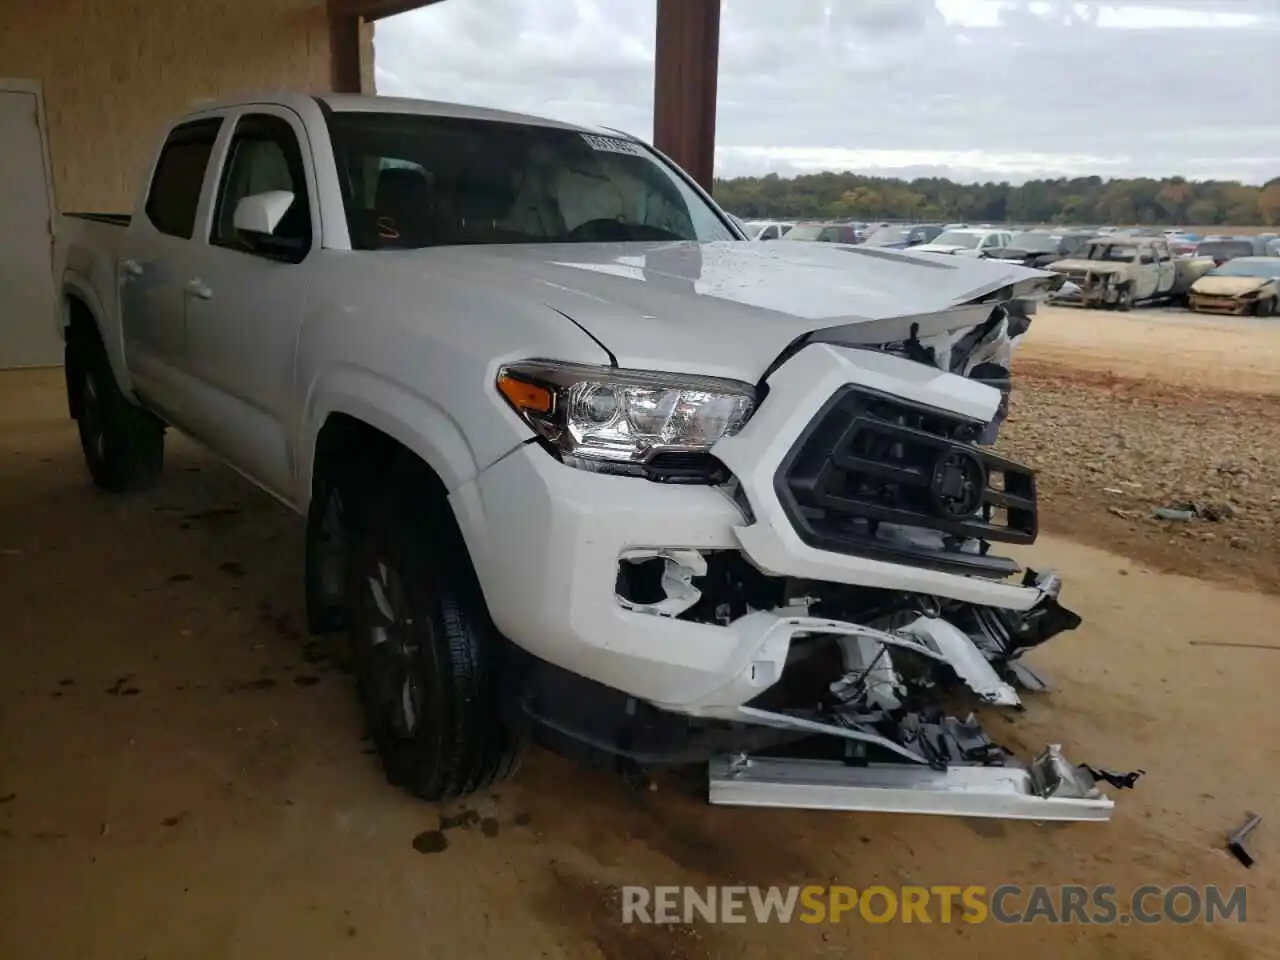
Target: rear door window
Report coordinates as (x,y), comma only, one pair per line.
(175,185)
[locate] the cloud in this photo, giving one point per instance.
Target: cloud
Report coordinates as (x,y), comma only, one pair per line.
(977,89)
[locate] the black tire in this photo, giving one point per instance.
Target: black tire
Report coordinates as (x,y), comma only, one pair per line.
(123,444)
(1266,308)
(327,550)
(421,636)
(1124,301)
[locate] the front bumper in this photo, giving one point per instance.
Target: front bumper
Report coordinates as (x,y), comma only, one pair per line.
(546,540)
(1090,290)
(1223,306)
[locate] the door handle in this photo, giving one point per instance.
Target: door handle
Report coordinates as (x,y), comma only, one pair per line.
(196,288)
(131,267)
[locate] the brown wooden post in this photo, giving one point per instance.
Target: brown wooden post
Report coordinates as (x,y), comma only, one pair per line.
(686,65)
(344,51)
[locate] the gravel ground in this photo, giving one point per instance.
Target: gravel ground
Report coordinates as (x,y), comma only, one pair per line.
(1111,451)
(1129,433)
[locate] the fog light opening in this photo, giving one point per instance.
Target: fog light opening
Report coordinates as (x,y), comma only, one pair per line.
(659,582)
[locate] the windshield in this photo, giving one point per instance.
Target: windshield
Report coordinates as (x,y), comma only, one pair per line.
(1249,267)
(1033,242)
(419,181)
(954,238)
(1114,252)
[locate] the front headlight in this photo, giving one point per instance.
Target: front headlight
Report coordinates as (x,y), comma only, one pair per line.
(617,421)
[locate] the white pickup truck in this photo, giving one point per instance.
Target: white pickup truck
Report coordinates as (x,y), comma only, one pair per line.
(578,462)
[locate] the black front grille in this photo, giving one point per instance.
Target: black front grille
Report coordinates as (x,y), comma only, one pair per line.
(880,477)
(681,467)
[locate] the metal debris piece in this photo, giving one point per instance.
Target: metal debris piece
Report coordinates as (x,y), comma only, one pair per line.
(1121,781)
(1235,841)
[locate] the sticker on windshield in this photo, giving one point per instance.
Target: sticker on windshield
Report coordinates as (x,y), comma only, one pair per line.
(612,145)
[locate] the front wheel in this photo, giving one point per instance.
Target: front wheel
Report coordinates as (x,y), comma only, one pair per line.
(425,651)
(123,444)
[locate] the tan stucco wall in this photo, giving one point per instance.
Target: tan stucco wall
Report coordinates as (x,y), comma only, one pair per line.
(115,72)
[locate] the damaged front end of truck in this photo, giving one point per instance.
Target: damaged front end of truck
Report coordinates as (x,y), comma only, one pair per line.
(873,611)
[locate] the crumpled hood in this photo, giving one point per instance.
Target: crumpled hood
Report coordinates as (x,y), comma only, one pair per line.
(730,308)
(1228,286)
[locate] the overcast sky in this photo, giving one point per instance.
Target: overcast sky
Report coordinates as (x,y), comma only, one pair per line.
(969,89)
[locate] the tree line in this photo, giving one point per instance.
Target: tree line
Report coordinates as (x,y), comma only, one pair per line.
(1084,200)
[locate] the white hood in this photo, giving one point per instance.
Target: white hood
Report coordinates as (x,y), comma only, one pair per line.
(730,308)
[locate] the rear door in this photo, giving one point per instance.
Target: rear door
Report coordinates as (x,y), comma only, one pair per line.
(1146,273)
(245,297)
(154,257)
(1166,269)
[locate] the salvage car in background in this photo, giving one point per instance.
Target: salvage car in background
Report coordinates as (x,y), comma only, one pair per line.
(902,236)
(766,229)
(1039,248)
(1117,271)
(823,233)
(1243,285)
(1222,249)
(967,242)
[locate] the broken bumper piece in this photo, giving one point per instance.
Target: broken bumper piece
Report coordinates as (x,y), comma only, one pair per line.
(1049,788)
(867,750)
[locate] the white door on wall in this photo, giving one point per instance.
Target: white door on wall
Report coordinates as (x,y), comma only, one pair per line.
(28,325)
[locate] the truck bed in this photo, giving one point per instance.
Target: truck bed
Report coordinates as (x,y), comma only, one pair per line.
(115,219)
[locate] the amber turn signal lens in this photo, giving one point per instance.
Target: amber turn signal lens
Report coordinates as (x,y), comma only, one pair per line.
(525,396)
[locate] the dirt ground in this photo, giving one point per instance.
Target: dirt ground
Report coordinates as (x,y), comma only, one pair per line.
(1124,415)
(181,774)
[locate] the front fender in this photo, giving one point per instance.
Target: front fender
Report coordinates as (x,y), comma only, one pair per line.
(410,418)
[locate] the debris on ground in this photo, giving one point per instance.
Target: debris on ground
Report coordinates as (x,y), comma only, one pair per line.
(1175,513)
(1235,841)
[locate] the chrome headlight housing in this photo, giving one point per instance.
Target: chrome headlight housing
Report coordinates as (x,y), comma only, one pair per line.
(623,421)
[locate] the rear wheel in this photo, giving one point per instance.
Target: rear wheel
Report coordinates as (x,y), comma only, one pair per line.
(123,444)
(424,649)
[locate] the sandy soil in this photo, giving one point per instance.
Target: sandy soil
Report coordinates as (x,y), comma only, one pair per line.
(181,773)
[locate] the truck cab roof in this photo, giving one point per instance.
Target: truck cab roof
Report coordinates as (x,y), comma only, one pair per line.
(369,103)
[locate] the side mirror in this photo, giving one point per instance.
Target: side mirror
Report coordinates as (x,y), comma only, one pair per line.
(260,213)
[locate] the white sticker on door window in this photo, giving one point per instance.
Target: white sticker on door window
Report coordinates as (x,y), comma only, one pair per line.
(612,145)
